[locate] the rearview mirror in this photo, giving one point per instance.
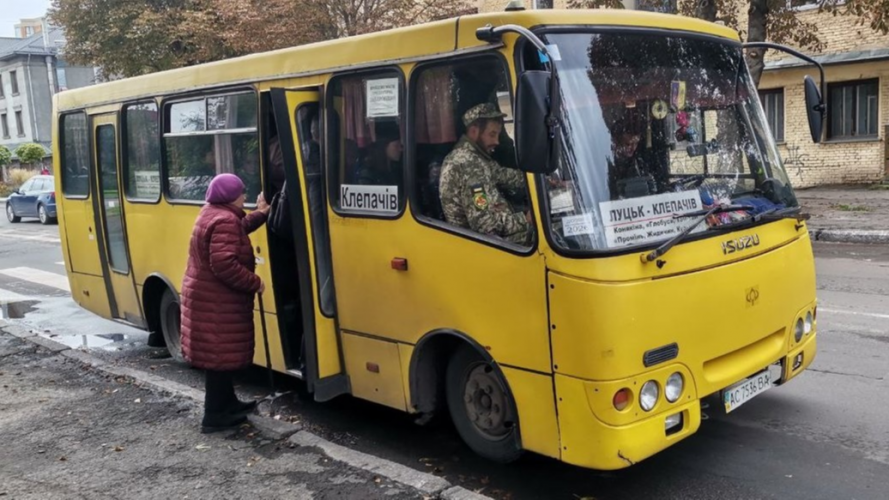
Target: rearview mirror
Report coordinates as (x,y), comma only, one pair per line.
(533,144)
(814,108)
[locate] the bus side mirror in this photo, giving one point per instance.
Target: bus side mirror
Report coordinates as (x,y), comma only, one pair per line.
(533,141)
(814,109)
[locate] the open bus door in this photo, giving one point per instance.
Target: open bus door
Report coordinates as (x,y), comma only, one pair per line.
(294,111)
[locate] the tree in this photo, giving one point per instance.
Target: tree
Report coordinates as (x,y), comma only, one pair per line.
(769,20)
(30,153)
(5,159)
(133,37)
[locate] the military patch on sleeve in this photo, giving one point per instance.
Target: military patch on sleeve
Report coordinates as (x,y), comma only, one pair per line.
(479,197)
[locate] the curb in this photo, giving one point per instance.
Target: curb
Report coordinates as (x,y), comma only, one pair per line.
(426,483)
(849,236)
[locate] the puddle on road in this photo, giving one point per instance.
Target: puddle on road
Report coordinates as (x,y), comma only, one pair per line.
(102,340)
(16,310)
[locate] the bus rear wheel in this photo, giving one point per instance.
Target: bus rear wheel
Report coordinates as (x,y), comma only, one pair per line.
(170,322)
(481,407)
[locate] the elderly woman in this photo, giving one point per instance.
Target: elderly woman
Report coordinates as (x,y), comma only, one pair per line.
(217,298)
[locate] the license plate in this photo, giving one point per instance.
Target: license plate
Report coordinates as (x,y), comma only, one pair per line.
(747,389)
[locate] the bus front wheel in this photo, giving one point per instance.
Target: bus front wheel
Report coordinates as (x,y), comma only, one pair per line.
(481,407)
(170,324)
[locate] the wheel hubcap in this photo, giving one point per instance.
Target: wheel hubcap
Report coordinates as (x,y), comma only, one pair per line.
(9,213)
(485,401)
(42,214)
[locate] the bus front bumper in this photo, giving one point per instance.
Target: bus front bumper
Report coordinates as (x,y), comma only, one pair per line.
(589,442)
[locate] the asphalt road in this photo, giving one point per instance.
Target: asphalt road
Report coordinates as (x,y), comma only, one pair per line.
(824,435)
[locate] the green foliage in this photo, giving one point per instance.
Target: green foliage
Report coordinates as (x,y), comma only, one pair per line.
(5,156)
(30,152)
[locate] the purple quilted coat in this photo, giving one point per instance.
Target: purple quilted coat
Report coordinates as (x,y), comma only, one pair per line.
(218,289)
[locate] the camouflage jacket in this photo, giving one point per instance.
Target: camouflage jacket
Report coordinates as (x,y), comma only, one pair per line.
(471,183)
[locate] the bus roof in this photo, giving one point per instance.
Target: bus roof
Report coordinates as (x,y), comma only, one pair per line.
(424,41)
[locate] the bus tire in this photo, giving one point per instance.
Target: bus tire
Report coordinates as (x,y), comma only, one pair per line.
(170,322)
(481,407)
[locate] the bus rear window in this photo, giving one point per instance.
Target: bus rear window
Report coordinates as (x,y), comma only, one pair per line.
(75,156)
(209,136)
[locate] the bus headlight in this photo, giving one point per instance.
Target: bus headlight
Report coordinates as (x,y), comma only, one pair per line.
(807,324)
(673,388)
(648,395)
(798,330)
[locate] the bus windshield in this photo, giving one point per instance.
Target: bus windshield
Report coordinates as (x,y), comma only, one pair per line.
(655,128)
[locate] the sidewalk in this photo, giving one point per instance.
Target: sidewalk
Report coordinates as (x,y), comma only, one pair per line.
(75,427)
(847,214)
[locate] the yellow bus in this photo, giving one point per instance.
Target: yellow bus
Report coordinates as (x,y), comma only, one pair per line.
(665,259)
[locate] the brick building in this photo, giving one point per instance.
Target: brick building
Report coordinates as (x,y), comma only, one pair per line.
(854,148)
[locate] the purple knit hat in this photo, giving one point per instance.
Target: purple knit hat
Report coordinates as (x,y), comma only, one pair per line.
(224,189)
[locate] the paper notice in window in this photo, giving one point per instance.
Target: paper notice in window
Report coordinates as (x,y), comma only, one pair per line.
(561,201)
(382,98)
(577,225)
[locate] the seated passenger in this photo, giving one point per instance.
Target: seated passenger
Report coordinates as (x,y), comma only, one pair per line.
(472,182)
(382,164)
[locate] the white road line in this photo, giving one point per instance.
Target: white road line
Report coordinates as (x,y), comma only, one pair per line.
(16,235)
(854,313)
(8,296)
(54,280)
(62,263)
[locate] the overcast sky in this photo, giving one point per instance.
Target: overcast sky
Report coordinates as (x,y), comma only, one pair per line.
(11,11)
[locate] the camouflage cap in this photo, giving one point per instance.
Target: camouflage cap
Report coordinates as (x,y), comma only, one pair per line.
(479,111)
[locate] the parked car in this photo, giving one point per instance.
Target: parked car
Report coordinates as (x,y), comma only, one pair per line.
(36,198)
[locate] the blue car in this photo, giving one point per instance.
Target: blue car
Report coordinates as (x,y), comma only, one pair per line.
(36,198)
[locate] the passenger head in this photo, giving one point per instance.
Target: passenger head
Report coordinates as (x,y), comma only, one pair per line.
(315,128)
(626,140)
(484,122)
(226,189)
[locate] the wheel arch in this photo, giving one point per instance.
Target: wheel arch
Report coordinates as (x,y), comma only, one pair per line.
(429,362)
(152,290)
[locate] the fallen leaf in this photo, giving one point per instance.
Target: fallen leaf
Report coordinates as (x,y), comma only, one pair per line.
(41,451)
(118,448)
(63,459)
(378,480)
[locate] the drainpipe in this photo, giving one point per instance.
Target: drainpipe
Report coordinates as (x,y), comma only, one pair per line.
(31,98)
(49,75)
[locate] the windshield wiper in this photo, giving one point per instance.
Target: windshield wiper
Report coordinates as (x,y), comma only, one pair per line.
(667,245)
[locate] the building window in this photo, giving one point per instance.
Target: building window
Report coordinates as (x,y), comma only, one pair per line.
(5,126)
(663,6)
(209,136)
(29,30)
(1,87)
(15,82)
(19,125)
(142,171)
(773,104)
(366,150)
(853,109)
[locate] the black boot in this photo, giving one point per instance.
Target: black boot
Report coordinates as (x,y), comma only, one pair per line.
(218,423)
(243,407)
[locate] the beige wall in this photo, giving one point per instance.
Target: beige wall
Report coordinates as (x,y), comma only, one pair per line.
(829,162)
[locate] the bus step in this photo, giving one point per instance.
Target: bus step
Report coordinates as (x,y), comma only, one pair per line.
(296,373)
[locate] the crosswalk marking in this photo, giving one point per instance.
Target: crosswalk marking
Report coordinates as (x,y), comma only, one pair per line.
(37,276)
(18,234)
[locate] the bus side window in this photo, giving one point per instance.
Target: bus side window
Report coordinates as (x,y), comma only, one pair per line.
(209,136)
(366,149)
(444,93)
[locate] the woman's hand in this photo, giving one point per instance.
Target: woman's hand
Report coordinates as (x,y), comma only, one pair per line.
(261,204)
